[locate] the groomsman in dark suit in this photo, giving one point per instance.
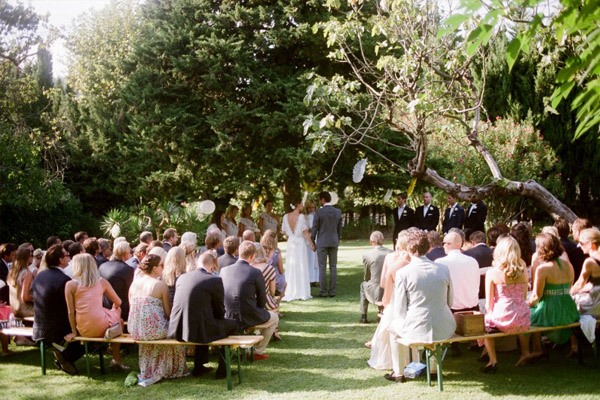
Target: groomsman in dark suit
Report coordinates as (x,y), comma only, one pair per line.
(427,216)
(475,217)
(453,216)
(404,216)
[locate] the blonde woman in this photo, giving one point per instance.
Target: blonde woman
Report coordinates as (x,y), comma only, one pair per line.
(190,256)
(175,266)
(505,299)
(269,243)
(586,291)
(87,316)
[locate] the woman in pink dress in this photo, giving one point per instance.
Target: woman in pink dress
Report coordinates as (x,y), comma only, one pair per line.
(505,298)
(87,316)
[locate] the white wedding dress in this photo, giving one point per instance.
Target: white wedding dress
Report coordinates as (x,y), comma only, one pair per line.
(296,261)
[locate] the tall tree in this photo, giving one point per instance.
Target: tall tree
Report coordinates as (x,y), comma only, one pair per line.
(412,76)
(199,98)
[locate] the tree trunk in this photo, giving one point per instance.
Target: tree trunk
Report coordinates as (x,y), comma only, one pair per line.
(500,187)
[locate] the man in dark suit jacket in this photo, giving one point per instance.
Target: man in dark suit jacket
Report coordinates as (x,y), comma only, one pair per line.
(7,255)
(120,276)
(198,313)
(576,255)
(454,215)
(231,244)
(483,254)
(245,297)
(326,232)
(51,317)
(427,216)
(404,216)
(475,216)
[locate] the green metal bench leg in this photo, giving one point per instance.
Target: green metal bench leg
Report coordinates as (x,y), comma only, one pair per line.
(87,358)
(228,367)
(239,362)
(101,356)
(43,357)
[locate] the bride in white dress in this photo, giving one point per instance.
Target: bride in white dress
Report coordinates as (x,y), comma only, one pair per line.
(296,256)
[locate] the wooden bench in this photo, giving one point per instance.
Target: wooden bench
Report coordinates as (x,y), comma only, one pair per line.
(437,349)
(229,343)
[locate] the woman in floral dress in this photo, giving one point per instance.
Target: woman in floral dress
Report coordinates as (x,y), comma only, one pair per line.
(149,320)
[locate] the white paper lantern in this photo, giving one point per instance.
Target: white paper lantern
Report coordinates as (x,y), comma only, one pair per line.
(388,195)
(334,198)
(207,207)
(359,170)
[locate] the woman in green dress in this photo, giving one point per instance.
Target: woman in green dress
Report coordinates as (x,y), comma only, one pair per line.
(550,301)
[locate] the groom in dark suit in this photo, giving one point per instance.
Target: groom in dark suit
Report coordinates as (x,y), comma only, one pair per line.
(326,232)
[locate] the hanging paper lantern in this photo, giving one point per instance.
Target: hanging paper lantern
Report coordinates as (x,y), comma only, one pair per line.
(359,170)
(207,207)
(334,198)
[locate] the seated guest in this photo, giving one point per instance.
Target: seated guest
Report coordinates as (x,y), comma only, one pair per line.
(199,314)
(574,253)
(522,232)
(380,343)
(212,241)
(268,273)
(245,297)
(421,307)
(51,317)
(7,255)
(506,299)
(577,256)
(550,302)
(105,251)
(74,249)
(120,276)
(36,263)
(87,316)
(494,233)
(146,237)
(92,247)
(269,243)
(52,240)
(149,320)
(436,250)
(190,255)
(370,288)
(248,235)
(175,265)
(535,261)
(482,254)
(464,271)
(230,245)
(586,291)
(170,238)
(19,282)
(189,237)
(139,252)
(80,237)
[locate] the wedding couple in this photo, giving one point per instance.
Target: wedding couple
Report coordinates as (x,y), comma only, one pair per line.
(323,237)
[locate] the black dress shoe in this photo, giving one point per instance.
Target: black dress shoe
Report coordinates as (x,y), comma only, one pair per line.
(201,370)
(363,319)
(332,295)
(391,377)
(322,295)
(489,369)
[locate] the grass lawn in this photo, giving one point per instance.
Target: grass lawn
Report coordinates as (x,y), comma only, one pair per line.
(321,357)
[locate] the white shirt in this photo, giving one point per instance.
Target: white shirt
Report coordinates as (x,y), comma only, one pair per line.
(68,270)
(400,211)
(464,273)
(425,209)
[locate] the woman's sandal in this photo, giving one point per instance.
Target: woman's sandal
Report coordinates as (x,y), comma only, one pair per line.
(115,366)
